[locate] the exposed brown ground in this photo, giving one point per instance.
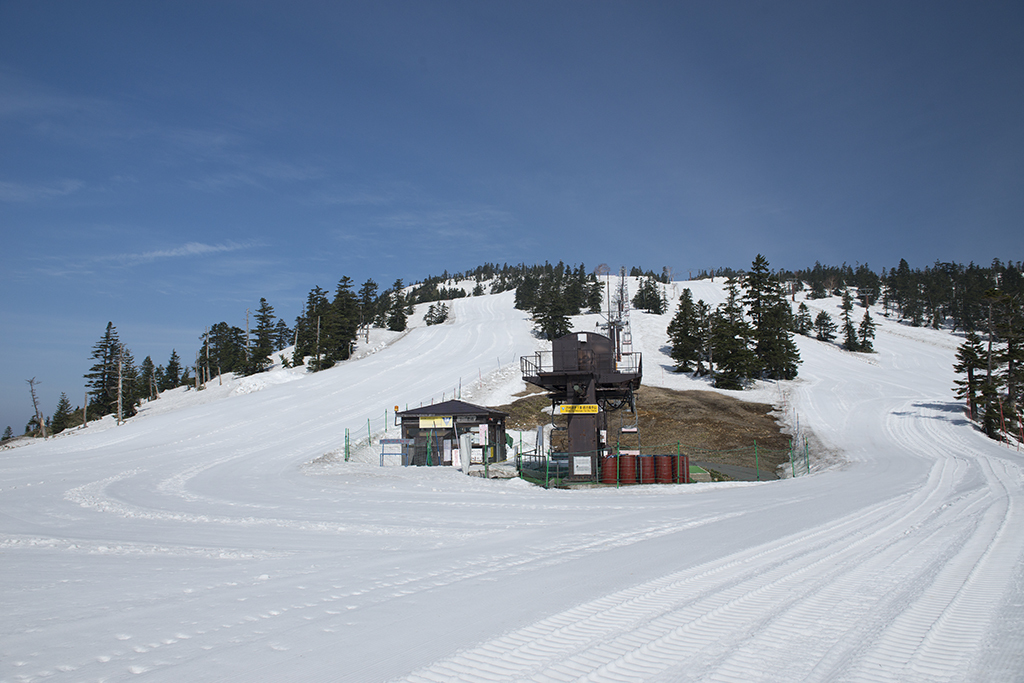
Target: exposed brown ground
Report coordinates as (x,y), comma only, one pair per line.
(696,420)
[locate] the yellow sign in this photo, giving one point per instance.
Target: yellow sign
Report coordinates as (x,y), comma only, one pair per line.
(436,423)
(577,409)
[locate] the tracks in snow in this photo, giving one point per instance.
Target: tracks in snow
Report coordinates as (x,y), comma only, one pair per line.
(900,591)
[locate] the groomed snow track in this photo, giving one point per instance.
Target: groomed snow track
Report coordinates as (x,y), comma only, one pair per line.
(198,544)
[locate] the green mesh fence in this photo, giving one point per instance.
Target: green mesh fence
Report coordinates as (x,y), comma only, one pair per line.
(652,465)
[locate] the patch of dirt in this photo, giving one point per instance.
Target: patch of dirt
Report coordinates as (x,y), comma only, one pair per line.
(526,413)
(696,420)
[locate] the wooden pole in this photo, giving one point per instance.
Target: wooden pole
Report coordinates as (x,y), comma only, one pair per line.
(247,336)
(120,358)
(35,406)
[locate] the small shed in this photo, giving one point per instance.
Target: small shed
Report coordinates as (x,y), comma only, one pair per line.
(433,432)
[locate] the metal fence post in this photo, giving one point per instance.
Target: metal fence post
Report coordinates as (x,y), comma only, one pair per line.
(757,464)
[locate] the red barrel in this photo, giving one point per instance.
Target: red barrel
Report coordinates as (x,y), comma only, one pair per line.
(647,475)
(663,465)
(681,465)
(609,469)
(627,468)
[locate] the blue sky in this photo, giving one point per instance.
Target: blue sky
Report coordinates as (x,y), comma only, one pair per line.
(165,165)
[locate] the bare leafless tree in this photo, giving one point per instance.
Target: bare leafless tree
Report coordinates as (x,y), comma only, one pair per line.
(35,405)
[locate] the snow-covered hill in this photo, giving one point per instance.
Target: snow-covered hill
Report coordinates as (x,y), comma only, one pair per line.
(195,542)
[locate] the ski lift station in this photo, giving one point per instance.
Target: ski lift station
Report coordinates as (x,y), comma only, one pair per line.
(586,377)
(431,434)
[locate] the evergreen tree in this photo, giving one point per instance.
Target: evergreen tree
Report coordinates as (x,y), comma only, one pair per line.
(1009,329)
(989,406)
(147,379)
(102,376)
(684,334)
(731,341)
(574,288)
(62,414)
(309,326)
(436,314)
(131,387)
(703,315)
(526,292)
(825,327)
(8,434)
(594,294)
(172,376)
(262,345)
(803,323)
(227,348)
(868,285)
(970,359)
(368,303)
(346,310)
(776,354)
(850,342)
(648,297)
(550,313)
(907,290)
(282,335)
(339,326)
(760,290)
(866,333)
(397,314)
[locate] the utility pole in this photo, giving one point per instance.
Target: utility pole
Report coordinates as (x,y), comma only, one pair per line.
(120,358)
(35,405)
(207,355)
(247,336)
(318,343)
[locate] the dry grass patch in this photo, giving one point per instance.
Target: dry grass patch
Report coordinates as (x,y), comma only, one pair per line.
(697,420)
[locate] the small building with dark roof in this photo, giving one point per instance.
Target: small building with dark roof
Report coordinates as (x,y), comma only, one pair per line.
(433,432)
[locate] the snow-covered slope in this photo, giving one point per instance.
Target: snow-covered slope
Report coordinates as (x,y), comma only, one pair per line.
(196,542)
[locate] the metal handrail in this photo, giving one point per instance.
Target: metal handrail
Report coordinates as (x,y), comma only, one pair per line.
(543,362)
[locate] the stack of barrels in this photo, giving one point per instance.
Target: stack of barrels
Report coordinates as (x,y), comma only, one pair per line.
(629,467)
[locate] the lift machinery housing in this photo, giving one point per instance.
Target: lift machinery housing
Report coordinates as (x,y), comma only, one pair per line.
(585,376)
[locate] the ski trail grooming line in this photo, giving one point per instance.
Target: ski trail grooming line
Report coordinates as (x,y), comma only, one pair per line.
(721,621)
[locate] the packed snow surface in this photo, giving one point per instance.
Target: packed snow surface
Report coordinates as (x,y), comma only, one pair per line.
(220,535)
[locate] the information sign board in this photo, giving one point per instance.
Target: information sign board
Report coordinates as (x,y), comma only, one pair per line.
(436,422)
(577,409)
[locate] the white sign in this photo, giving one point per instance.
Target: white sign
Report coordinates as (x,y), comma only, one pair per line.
(581,464)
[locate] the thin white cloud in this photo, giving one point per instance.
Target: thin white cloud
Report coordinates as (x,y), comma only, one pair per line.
(33,192)
(186,250)
(456,221)
(248,171)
